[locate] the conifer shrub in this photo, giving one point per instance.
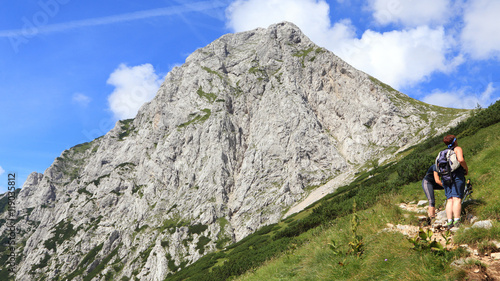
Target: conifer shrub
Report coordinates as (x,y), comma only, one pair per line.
(413,168)
(202,242)
(63,231)
(101,265)
(197,228)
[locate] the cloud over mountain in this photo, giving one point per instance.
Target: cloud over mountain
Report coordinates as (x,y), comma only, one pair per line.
(411,13)
(134,86)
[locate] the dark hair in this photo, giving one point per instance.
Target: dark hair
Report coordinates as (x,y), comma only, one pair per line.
(449,139)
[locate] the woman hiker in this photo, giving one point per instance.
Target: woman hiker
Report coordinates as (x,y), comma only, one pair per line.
(454,190)
(430,183)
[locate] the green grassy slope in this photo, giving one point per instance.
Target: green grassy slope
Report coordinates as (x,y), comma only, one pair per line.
(297,248)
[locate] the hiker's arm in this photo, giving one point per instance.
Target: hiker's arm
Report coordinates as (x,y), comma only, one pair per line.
(461,159)
(437,179)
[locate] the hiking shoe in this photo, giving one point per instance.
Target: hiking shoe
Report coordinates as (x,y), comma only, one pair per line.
(456,224)
(448,225)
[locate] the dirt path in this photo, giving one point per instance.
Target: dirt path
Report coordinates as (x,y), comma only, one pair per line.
(321,191)
(491,261)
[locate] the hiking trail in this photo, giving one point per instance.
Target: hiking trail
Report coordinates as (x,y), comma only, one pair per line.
(491,261)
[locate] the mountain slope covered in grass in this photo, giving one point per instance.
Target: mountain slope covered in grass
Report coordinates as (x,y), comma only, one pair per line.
(328,241)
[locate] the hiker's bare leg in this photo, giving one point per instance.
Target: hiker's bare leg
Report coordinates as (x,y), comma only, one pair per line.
(431,212)
(449,209)
(457,207)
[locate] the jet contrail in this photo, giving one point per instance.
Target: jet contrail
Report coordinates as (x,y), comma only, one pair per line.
(59,27)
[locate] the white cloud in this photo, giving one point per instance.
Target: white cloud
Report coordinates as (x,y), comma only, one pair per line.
(410,12)
(81,99)
(398,58)
(482,27)
(133,87)
(1,171)
(462,98)
(311,16)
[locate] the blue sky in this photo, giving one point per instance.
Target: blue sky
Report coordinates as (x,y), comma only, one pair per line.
(69,69)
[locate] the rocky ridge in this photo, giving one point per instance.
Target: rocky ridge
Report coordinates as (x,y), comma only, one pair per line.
(247,127)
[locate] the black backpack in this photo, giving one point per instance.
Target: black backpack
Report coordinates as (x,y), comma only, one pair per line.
(446,164)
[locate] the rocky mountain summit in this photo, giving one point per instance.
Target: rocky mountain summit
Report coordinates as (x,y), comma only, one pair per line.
(247,127)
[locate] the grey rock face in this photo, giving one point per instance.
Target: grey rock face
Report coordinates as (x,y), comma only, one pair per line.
(483,224)
(422,203)
(244,129)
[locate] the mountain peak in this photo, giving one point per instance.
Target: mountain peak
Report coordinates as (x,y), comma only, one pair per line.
(247,127)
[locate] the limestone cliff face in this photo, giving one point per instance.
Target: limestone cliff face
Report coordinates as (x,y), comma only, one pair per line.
(234,137)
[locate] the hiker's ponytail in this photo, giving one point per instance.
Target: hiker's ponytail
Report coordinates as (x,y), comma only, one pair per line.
(450,140)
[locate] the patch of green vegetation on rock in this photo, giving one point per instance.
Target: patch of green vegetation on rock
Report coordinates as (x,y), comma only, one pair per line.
(381,84)
(212,72)
(210,97)
(303,54)
(72,159)
(94,223)
(42,264)
(198,118)
(98,180)
(237,91)
(222,239)
(257,70)
(84,190)
(202,242)
(4,202)
(125,164)
(99,268)
(126,127)
(62,231)
(138,189)
(80,148)
(168,224)
(197,228)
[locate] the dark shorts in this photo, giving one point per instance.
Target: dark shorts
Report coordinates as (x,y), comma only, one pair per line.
(456,188)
